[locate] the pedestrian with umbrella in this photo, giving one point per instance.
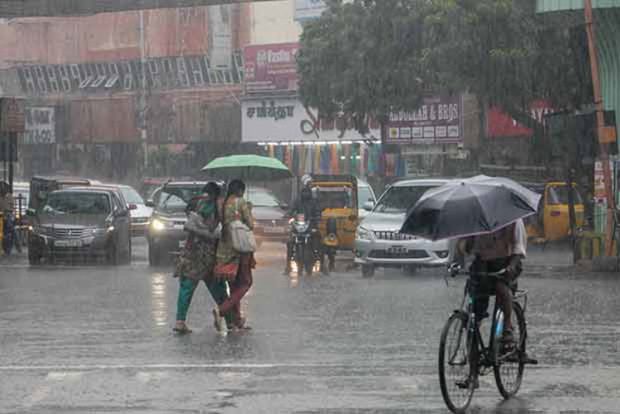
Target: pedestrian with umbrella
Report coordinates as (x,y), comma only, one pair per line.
(236,266)
(486,215)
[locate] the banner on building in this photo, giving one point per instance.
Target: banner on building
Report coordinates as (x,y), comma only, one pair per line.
(286,119)
(40,125)
(500,124)
(270,68)
(309,9)
(439,120)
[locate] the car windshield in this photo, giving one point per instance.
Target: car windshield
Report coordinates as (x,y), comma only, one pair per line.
(262,198)
(175,199)
(364,194)
(559,195)
(335,197)
(77,203)
(397,200)
(131,196)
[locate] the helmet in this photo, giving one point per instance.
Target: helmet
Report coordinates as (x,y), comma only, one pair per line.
(306,180)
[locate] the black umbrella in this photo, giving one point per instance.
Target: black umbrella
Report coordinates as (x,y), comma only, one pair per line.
(468,208)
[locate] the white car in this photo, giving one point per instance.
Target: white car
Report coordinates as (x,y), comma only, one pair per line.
(365,197)
(378,242)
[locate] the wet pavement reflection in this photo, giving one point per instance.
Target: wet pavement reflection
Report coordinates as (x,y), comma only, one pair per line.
(98,339)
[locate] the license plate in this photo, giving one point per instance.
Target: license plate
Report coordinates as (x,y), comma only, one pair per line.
(397,250)
(274,230)
(182,244)
(68,243)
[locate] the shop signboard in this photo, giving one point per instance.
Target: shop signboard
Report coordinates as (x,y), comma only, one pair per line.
(438,121)
(309,9)
(40,125)
(12,115)
(287,120)
(270,68)
(500,124)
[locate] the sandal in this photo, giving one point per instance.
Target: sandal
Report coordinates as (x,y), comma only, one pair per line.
(181,330)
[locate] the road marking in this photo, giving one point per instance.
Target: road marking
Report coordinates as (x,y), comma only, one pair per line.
(95,367)
(45,390)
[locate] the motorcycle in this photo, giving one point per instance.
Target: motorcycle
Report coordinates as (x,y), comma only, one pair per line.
(303,246)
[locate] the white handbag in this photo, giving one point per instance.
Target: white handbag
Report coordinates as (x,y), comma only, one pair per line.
(242,236)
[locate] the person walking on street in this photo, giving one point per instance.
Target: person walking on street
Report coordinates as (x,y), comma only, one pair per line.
(235,207)
(197,259)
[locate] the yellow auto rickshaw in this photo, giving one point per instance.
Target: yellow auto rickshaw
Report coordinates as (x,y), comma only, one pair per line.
(552,222)
(337,195)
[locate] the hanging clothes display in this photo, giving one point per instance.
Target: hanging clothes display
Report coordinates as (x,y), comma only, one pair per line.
(316,165)
(295,156)
(325,160)
(334,159)
(309,157)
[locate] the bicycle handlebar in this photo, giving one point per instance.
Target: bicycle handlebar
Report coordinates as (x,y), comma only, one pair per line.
(456,269)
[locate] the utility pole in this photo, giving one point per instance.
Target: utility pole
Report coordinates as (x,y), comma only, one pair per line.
(605,134)
(142,101)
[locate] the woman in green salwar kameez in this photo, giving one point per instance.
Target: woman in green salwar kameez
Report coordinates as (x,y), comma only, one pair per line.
(197,260)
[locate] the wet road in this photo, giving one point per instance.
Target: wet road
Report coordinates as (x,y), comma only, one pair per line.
(98,340)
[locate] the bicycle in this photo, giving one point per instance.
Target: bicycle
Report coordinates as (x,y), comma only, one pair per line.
(463,354)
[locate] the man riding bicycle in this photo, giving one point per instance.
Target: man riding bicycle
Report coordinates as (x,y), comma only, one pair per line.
(501,250)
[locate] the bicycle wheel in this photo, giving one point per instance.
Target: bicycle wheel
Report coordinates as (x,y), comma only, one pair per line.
(454,364)
(508,369)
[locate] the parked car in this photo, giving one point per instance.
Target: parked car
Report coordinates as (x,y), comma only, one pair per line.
(165,234)
(81,223)
(378,242)
(270,215)
(365,196)
(140,213)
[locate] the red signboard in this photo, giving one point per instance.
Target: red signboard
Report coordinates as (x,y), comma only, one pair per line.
(500,124)
(439,120)
(271,68)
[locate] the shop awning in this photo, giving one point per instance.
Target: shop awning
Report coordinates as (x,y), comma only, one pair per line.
(57,8)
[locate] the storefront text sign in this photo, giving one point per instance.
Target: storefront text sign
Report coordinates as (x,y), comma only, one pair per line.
(438,121)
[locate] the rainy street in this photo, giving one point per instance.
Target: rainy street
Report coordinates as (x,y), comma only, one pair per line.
(99,340)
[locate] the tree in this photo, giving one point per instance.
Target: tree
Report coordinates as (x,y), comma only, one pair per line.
(361,60)
(506,55)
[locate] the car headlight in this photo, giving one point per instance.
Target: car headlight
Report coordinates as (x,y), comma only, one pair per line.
(363,234)
(99,231)
(157,225)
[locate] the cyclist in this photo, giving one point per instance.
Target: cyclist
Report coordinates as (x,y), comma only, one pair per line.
(503,249)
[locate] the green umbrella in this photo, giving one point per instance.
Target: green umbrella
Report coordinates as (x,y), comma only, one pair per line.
(248,168)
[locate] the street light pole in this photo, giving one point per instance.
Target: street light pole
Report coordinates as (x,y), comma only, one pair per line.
(605,135)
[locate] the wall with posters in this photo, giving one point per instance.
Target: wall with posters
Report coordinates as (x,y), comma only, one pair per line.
(286,119)
(40,125)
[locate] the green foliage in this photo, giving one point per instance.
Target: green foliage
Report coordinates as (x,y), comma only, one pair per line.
(362,59)
(507,55)
(369,57)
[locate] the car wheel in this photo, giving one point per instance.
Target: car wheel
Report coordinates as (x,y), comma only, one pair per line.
(368,270)
(128,252)
(112,254)
(154,258)
(34,258)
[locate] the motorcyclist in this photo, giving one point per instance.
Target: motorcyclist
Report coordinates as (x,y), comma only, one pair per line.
(308,205)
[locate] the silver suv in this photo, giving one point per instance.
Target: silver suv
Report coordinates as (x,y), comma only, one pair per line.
(378,242)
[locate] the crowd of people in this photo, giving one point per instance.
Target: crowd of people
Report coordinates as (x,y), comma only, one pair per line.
(209,256)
